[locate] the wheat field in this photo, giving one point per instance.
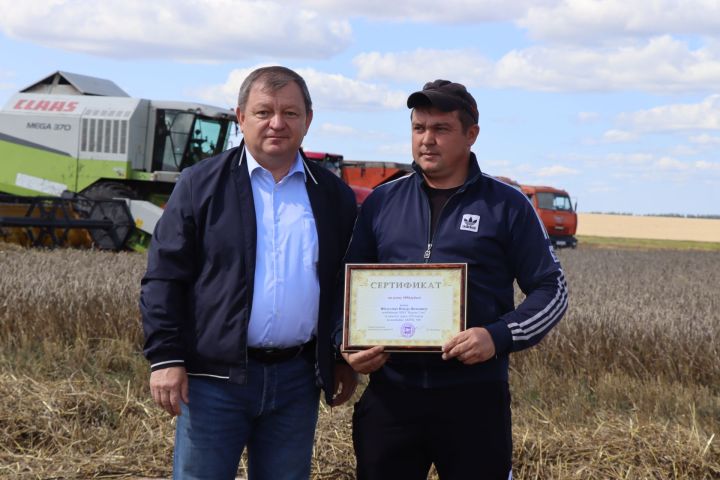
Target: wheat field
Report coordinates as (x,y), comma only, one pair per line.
(626,387)
(660,228)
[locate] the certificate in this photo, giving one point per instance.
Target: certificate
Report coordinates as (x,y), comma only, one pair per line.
(404,307)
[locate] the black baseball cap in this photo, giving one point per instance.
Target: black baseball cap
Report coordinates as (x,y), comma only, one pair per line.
(446,96)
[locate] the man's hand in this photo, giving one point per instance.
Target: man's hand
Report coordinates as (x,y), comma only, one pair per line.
(470,346)
(346,381)
(367,361)
(168,387)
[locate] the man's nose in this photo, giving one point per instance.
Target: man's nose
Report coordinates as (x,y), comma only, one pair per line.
(428,137)
(277,122)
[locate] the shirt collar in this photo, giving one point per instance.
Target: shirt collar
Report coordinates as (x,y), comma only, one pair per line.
(253,165)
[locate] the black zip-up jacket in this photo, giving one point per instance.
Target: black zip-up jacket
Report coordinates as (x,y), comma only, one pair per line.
(493,228)
(197,292)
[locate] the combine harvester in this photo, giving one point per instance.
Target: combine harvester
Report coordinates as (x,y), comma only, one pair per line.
(82,163)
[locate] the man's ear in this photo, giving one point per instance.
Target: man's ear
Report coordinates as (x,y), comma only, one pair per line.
(308,120)
(240,117)
(472,134)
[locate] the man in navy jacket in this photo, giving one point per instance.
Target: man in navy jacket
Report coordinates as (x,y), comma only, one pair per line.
(452,408)
(236,299)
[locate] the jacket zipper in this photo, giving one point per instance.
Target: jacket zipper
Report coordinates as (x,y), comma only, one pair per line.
(431,239)
(426,256)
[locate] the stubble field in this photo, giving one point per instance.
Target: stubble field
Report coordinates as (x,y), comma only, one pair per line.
(627,386)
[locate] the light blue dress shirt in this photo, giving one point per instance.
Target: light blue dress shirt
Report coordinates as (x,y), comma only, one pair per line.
(287,289)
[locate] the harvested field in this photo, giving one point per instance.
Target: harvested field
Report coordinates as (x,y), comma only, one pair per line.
(627,386)
(661,228)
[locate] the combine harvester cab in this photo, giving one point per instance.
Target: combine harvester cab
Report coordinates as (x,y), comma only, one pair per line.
(74,147)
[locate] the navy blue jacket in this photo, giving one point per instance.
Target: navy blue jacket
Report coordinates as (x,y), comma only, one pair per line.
(493,228)
(197,292)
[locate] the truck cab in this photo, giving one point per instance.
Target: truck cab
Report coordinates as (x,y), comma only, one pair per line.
(554,208)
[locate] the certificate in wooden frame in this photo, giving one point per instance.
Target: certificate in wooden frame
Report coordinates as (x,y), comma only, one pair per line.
(414,307)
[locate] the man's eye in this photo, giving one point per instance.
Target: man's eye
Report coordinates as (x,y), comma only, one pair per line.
(291,114)
(261,113)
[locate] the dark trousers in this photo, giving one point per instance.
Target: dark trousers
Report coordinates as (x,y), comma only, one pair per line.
(465,431)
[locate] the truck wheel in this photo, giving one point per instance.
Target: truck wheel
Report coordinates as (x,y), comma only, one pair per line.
(101,206)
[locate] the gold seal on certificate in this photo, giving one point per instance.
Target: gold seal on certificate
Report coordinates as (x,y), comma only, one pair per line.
(413,307)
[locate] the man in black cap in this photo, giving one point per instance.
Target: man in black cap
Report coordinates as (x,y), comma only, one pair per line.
(452,409)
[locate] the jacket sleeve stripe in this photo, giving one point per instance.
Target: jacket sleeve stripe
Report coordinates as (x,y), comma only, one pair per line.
(559,293)
(159,364)
(558,303)
(547,317)
(541,328)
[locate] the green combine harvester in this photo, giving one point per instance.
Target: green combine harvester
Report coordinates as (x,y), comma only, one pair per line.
(83,163)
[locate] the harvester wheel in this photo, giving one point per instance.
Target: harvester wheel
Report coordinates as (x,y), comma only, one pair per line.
(102,208)
(109,190)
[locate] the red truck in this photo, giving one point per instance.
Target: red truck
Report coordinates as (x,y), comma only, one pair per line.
(556,212)
(554,208)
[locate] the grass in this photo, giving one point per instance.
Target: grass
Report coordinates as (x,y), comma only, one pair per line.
(627,386)
(646,244)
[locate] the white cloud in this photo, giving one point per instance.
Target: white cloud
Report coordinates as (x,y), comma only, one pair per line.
(627,158)
(557,20)
(588,117)
(525,173)
(556,171)
(403,150)
(226,93)
(684,151)
(616,136)
(495,163)
(669,163)
(601,187)
(328,91)
(334,91)
(649,165)
(573,21)
(688,116)
(6,80)
(662,64)
(190,30)
(705,139)
(704,165)
(333,129)
(645,166)
(450,11)
(465,66)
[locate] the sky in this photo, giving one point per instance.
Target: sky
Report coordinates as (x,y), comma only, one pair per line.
(616,102)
